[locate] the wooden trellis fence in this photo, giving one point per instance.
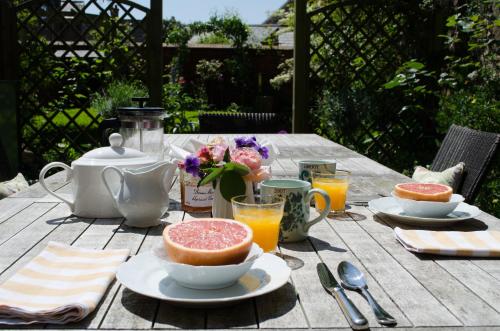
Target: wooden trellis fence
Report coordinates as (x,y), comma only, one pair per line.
(344,53)
(63,51)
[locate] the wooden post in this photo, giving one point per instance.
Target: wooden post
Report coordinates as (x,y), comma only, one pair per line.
(9,149)
(155,52)
(300,107)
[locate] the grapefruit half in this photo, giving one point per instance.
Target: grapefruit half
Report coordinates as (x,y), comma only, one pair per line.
(208,241)
(424,191)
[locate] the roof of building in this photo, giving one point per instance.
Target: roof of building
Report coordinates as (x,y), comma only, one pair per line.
(261,35)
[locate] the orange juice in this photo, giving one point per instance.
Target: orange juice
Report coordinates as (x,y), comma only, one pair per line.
(265,224)
(336,189)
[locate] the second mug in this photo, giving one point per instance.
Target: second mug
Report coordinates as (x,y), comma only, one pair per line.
(295,223)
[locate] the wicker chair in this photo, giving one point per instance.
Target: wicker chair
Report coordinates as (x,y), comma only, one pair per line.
(240,123)
(475,148)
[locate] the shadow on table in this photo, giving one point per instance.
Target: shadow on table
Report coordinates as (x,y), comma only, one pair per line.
(467,225)
(275,304)
(69,220)
(316,245)
(240,314)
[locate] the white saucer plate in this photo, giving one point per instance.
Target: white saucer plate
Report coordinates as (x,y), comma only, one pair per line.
(390,207)
(144,274)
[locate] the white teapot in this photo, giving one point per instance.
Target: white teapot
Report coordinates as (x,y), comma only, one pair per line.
(142,196)
(90,198)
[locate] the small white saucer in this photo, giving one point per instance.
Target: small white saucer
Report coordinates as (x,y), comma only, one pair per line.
(390,207)
(145,275)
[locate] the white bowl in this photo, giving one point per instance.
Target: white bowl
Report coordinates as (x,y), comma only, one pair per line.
(207,277)
(428,208)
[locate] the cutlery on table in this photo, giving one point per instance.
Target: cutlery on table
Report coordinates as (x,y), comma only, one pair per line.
(356,320)
(353,279)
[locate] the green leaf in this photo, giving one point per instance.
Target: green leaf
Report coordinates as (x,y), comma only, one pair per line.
(211,176)
(451,21)
(231,185)
(414,65)
(392,84)
(227,156)
(239,168)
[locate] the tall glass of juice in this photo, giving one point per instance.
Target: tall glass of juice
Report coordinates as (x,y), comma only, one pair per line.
(336,185)
(263,214)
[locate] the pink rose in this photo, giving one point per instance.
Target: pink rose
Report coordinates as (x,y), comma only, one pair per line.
(247,156)
(204,154)
(218,152)
(259,175)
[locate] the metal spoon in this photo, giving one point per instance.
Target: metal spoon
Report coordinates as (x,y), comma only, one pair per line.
(353,279)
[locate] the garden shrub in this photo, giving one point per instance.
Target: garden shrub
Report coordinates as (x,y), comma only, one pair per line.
(444,71)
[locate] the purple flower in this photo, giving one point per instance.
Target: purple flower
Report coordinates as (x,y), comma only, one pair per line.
(263,151)
(245,142)
(192,165)
(252,143)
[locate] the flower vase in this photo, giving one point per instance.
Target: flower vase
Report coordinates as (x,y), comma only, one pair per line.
(221,208)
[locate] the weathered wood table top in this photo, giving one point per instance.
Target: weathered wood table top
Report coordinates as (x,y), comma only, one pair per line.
(421,291)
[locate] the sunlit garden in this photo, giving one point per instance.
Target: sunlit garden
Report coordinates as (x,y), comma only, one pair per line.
(263,164)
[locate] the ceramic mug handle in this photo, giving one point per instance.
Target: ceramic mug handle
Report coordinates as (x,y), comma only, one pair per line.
(324,212)
(103,175)
(41,179)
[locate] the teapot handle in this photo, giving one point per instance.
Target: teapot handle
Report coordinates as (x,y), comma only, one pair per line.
(103,176)
(324,212)
(41,179)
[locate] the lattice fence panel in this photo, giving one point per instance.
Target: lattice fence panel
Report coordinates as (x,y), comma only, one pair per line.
(355,47)
(69,50)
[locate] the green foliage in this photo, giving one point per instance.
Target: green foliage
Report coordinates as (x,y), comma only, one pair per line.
(467,84)
(214,38)
(208,70)
(177,102)
(411,75)
(115,95)
(379,88)
(284,76)
(228,29)
(57,121)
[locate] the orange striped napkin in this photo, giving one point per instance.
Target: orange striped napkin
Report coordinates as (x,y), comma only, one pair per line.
(477,243)
(62,284)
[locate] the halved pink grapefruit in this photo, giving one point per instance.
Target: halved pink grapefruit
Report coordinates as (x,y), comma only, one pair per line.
(424,191)
(208,241)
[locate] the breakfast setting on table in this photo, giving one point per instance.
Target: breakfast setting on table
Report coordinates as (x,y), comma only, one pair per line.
(234,255)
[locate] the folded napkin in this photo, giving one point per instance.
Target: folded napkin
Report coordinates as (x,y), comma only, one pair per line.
(477,243)
(62,284)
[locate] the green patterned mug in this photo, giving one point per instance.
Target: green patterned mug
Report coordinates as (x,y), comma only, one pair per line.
(295,223)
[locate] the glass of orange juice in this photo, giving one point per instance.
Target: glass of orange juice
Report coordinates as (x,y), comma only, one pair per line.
(263,214)
(336,185)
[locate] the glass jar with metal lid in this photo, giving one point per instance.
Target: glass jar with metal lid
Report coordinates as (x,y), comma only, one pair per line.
(142,128)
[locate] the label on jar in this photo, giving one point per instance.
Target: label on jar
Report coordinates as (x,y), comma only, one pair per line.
(202,196)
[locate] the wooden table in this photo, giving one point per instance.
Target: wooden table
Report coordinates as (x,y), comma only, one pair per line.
(421,292)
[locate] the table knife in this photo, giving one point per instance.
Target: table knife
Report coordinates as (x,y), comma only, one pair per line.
(356,320)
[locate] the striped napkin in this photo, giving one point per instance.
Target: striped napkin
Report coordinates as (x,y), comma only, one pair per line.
(454,243)
(62,284)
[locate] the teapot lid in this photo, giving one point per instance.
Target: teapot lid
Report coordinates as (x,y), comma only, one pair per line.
(115,153)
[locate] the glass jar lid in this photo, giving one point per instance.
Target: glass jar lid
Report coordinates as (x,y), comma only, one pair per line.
(140,110)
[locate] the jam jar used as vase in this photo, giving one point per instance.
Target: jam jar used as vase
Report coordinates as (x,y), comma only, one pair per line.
(221,208)
(195,199)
